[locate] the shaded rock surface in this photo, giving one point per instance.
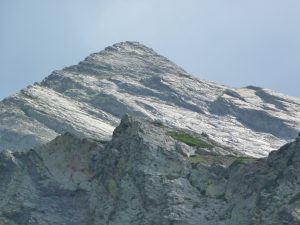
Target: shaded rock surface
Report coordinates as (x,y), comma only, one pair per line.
(144,176)
(90,98)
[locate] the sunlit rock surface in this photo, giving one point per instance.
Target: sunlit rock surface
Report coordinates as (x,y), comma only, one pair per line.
(89,99)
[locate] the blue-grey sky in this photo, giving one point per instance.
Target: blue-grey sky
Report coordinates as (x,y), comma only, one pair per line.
(232,42)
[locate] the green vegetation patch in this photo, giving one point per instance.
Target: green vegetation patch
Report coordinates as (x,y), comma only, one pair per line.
(190,140)
(295,198)
(243,161)
(228,160)
(197,159)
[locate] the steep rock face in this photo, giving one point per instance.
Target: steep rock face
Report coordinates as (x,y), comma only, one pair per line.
(144,176)
(48,185)
(89,99)
(268,191)
(147,180)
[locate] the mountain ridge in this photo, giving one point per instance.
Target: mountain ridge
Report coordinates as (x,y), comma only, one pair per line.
(90,98)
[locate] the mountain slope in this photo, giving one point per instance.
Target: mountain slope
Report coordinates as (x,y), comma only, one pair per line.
(144,176)
(129,78)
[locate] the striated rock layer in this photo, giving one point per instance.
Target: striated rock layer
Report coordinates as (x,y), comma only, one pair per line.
(89,99)
(144,176)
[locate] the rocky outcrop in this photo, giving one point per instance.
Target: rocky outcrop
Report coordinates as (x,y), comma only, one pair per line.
(145,176)
(48,185)
(90,98)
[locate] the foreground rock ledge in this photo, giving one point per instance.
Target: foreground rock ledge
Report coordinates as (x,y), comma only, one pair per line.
(144,176)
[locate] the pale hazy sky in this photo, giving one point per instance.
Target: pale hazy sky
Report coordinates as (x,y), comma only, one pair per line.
(233,42)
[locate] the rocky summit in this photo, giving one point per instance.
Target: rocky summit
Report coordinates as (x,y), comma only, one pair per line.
(90,98)
(126,137)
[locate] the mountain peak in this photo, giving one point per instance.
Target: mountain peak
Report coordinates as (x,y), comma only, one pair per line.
(129,46)
(128,58)
(129,78)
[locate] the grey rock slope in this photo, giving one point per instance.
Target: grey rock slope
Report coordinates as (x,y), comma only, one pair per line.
(89,99)
(144,176)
